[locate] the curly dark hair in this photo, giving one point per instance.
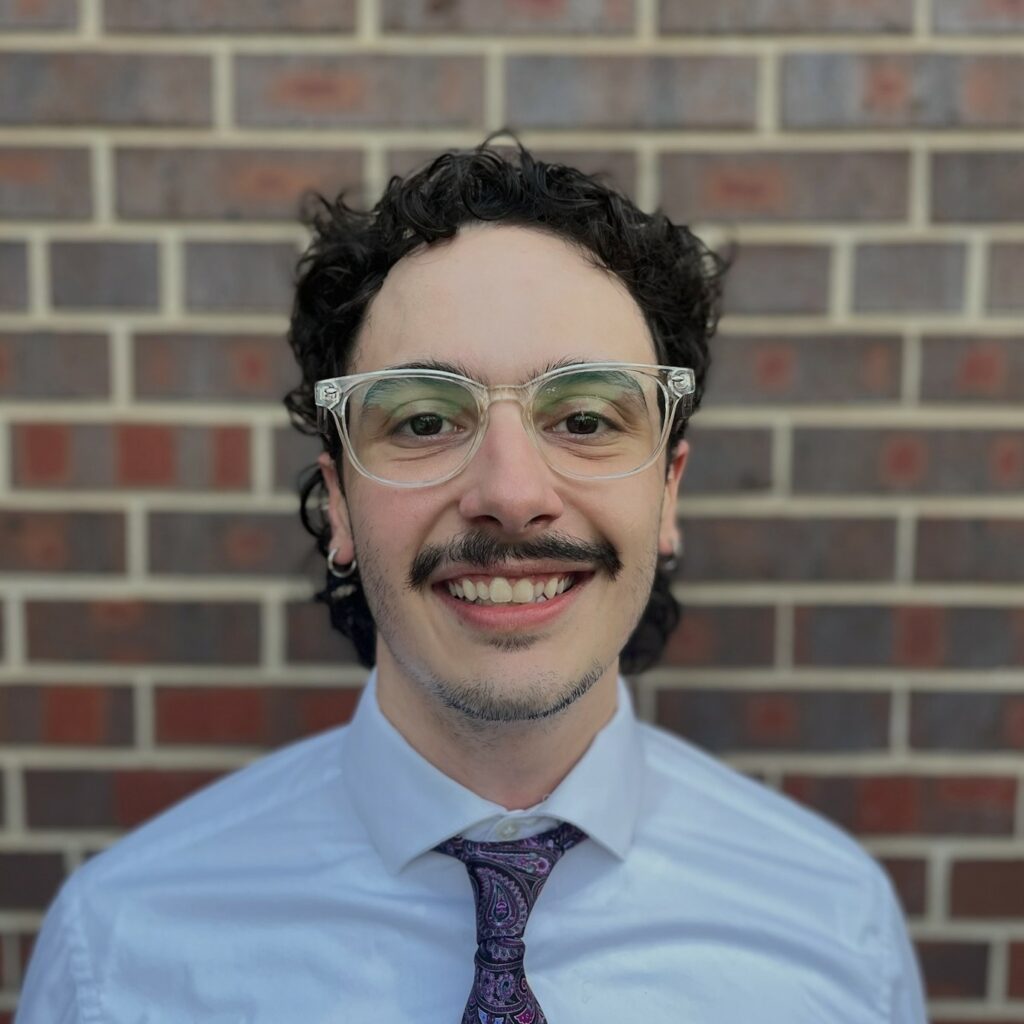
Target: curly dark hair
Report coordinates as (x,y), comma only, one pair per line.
(674,278)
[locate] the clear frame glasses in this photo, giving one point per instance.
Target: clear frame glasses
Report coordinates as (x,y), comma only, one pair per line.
(589,421)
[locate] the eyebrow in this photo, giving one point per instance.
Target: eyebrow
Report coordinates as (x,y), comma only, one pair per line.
(463,371)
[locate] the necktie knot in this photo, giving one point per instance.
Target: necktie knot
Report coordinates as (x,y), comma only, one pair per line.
(507,878)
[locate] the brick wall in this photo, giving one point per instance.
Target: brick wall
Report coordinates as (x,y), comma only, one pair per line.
(854,510)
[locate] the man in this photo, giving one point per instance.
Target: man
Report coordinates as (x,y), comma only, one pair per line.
(501,359)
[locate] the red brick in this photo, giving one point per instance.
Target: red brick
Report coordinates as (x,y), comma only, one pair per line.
(45,183)
(977,187)
(81,88)
(910,805)
(1005,273)
(143,632)
(508,17)
(185,543)
(909,277)
(358,90)
(182,16)
(617,167)
(786,368)
(66,715)
(987,888)
(631,92)
(909,636)
(970,550)
(879,461)
(113,799)
(779,279)
(50,364)
(978,17)
(727,720)
(734,17)
(311,639)
(981,720)
(972,368)
(37,15)
(909,876)
(38,540)
(1016,980)
(902,90)
(724,636)
(777,187)
(104,275)
(111,455)
(954,970)
(164,183)
(266,716)
(239,276)
(13,274)
(728,460)
(29,881)
(235,367)
(774,548)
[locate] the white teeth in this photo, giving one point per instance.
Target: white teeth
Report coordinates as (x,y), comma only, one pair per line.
(502,591)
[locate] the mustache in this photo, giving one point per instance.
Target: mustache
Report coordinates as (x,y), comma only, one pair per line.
(483,550)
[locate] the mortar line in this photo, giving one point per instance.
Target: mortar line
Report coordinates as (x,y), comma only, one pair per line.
(14,800)
(37,257)
(144,701)
(222,88)
(645,24)
(906,544)
(899,722)
(785,632)
(782,458)
(922,21)
(648,175)
(136,539)
(272,639)
(121,365)
(920,186)
(494,88)
(998,971)
(171,253)
(89,21)
(841,285)
(103,181)
(6,471)
(367,22)
(768,71)
(261,439)
(14,629)
(975,275)
(912,367)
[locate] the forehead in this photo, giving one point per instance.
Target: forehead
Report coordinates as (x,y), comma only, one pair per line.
(504,302)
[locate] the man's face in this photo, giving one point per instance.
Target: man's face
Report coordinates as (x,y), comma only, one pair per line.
(504,302)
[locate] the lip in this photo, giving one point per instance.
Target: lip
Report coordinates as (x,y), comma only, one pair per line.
(513,617)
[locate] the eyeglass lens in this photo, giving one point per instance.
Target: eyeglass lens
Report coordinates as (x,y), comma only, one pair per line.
(416,428)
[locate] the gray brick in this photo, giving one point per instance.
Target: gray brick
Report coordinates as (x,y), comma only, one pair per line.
(228,543)
(653,92)
(970,550)
(385,90)
(980,720)
(1005,277)
(893,90)
(164,183)
(41,541)
(773,548)
(909,277)
(311,639)
(972,368)
(893,461)
(229,15)
(104,88)
(736,17)
(779,279)
(36,15)
(239,276)
(45,364)
(29,881)
(978,17)
(728,460)
(232,367)
(293,452)
(507,18)
(728,720)
(104,275)
(723,636)
(978,187)
(777,187)
(13,276)
(777,369)
(45,183)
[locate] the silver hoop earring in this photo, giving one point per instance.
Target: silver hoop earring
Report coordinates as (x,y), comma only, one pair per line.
(342,574)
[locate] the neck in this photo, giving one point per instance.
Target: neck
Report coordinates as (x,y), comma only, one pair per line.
(514,764)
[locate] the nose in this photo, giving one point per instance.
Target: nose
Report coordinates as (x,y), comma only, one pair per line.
(507,482)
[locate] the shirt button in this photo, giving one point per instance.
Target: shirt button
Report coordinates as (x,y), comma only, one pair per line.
(508,830)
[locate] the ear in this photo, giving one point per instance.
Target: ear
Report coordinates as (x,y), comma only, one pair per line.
(337,512)
(669,540)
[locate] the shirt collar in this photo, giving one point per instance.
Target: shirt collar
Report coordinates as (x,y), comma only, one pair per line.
(390,783)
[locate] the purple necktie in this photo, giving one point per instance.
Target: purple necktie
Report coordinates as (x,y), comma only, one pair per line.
(507,879)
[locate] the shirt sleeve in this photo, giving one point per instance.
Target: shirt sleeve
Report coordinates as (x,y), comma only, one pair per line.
(906,995)
(58,973)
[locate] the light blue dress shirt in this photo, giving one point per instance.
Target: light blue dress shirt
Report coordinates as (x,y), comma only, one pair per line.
(303,889)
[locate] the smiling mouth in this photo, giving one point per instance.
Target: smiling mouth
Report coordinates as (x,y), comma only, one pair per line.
(499,590)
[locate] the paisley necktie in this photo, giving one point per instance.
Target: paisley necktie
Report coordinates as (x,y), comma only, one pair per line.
(507,879)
